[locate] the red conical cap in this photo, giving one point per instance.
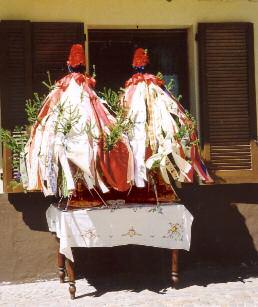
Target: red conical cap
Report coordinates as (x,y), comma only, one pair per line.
(76,56)
(140,58)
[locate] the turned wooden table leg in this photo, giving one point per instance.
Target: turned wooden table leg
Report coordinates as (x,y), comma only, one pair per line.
(174,267)
(71,276)
(60,263)
(61,266)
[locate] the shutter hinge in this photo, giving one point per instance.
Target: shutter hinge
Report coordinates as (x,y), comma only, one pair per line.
(84,37)
(196,36)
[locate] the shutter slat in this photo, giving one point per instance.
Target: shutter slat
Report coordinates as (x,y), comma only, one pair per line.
(220,102)
(231,155)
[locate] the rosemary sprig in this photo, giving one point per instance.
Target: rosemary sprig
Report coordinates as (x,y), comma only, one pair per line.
(68,117)
(112,98)
(49,83)
(33,106)
(15,141)
(123,125)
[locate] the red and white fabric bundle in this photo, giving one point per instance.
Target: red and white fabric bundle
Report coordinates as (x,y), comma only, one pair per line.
(158,120)
(71,127)
(71,130)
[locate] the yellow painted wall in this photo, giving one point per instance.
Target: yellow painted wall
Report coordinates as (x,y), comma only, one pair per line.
(130,12)
(144,14)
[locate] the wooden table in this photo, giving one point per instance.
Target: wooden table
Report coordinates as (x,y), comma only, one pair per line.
(66,267)
(108,227)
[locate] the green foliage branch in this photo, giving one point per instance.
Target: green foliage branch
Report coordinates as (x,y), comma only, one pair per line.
(123,125)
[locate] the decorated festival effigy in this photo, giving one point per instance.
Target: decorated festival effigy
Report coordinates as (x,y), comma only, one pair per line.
(80,152)
(66,154)
(112,165)
(164,136)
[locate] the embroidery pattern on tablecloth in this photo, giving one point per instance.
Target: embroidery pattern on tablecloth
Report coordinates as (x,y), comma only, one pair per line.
(175,232)
(90,233)
(131,233)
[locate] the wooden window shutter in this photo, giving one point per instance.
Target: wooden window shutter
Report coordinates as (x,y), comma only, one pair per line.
(30,50)
(15,83)
(15,72)
(51,42)
(227,93)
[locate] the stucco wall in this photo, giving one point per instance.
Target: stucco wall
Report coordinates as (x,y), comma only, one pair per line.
(27,249)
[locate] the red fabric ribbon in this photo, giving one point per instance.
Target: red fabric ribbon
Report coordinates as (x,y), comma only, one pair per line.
(78,77)
(148,78)
(113,163)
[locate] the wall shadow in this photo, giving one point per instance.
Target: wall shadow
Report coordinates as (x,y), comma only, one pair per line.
(219,231)
(33,207)
(203,275)
(130,267)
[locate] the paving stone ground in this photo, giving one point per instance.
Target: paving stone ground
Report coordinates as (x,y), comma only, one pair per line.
(212,286)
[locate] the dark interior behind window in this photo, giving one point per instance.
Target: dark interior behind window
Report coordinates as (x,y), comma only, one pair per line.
(111,51)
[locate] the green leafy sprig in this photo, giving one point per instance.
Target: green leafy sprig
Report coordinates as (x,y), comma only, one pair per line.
(170,85)
(187,129)
(122,126)
(48,83)
(88,129)
(112,98)
(94,71)
(33,106)
(67,121)
(15,141)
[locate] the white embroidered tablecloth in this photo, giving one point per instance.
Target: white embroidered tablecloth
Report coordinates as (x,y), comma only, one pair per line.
(168,227)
